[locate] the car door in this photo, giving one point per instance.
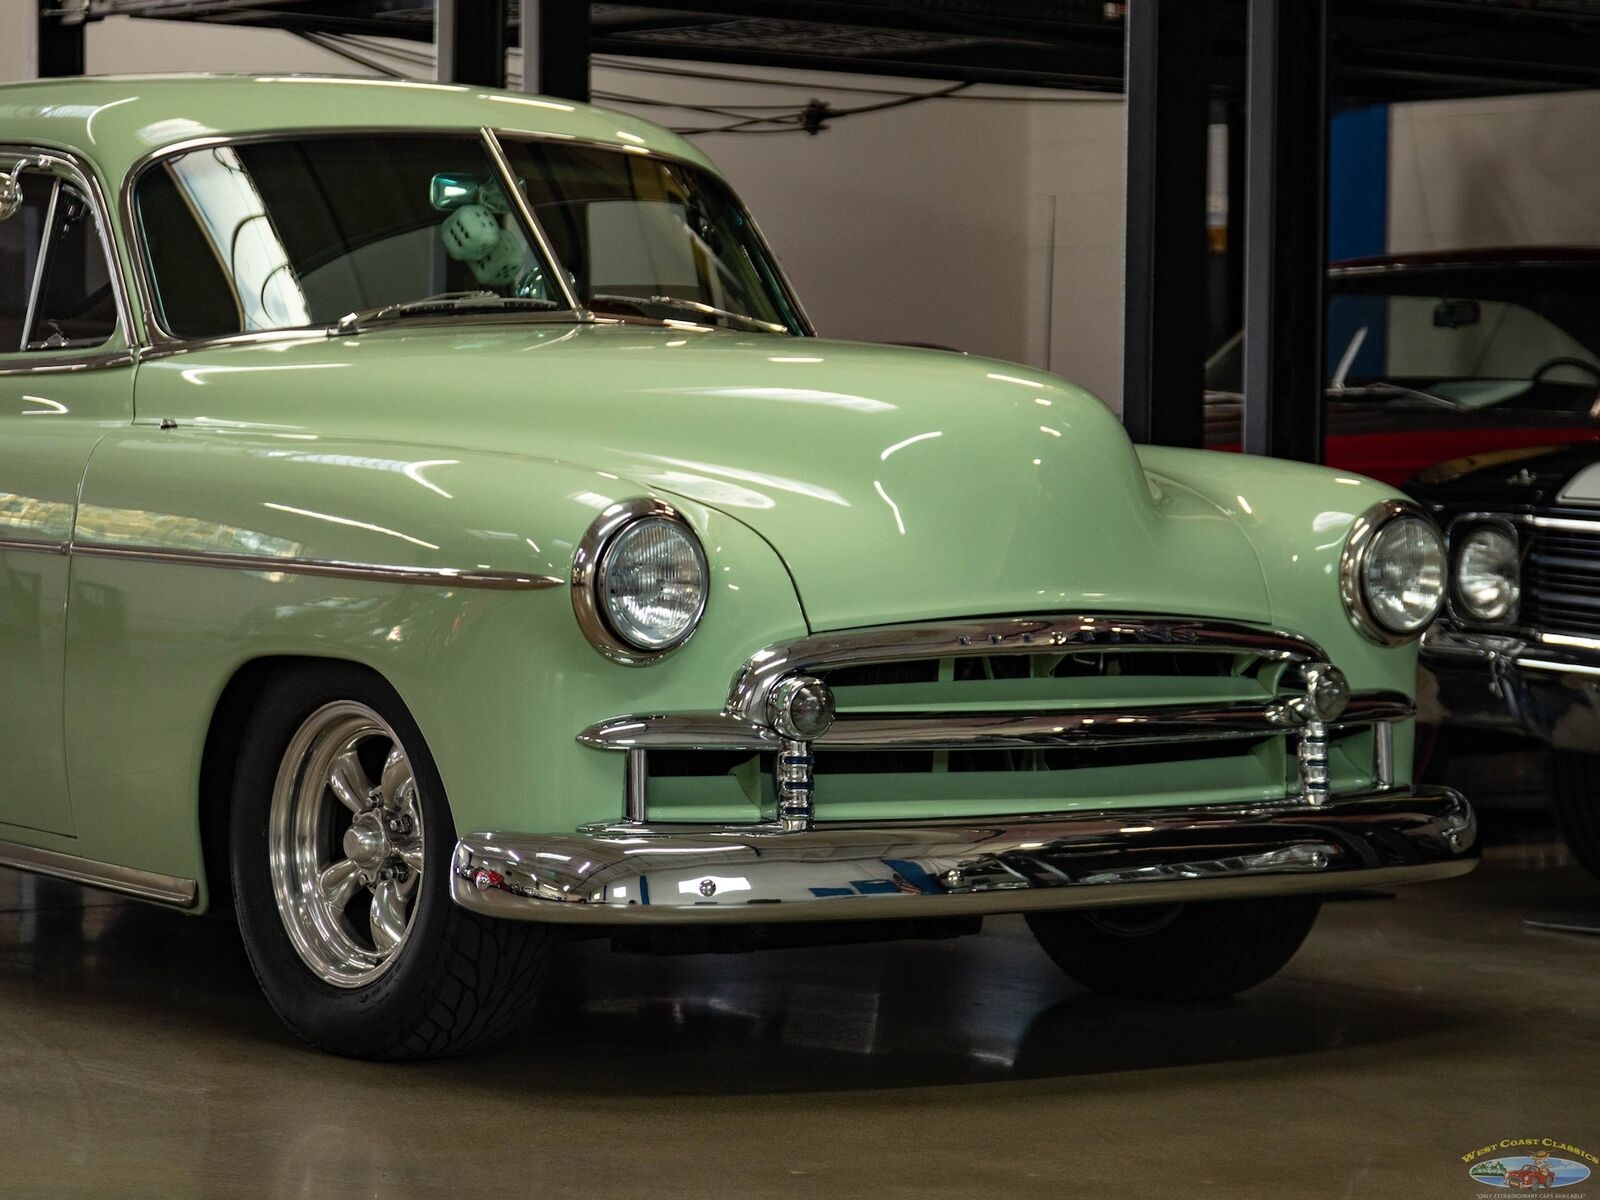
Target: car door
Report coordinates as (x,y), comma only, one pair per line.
(66,377)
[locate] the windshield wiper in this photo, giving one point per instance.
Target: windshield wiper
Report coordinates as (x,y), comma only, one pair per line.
(694,306)
(445,302)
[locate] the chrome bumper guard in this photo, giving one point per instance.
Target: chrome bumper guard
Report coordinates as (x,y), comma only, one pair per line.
(685,875)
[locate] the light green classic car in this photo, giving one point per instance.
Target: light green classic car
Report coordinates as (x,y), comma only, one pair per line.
(428,524)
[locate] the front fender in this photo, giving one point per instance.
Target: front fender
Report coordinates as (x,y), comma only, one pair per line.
(499,680)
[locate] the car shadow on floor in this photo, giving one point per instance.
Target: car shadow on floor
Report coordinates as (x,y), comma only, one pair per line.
(901,1014)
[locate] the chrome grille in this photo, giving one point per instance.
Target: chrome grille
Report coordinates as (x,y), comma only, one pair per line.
(1010,716)
(1561,580)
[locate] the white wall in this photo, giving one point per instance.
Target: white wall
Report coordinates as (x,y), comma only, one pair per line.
(18,40)
(1510,171)
(926,223)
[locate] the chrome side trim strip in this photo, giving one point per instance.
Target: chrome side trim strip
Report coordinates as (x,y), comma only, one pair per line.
(54,363)
(375,572)
(35,547)
(1000,730)
(1047,634)
(688,875)
(128,881)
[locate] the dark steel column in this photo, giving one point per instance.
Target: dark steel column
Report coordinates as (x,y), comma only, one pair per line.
(1164,324)
(1285,256)
(60,43)
(555,48)
(470,39)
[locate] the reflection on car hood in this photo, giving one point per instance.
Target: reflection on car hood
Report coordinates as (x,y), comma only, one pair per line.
(896,484)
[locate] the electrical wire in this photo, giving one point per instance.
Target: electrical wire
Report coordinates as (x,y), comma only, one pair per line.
(810,117)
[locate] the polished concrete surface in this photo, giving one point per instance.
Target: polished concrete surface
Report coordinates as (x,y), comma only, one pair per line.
(138,1059)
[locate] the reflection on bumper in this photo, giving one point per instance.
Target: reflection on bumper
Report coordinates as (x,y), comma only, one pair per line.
(688,874)
(1548,689)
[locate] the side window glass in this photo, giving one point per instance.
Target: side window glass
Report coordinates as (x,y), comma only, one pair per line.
(76,307)
(20,237)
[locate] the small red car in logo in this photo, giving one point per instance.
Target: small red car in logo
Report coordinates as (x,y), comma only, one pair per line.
(1535,1176)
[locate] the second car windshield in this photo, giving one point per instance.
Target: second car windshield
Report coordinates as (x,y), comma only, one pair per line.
(289,233)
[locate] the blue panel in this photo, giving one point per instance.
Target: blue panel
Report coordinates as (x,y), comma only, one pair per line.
(1358,226)
(1358,183)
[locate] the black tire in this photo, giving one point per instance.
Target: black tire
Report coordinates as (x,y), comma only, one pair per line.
(458,981)
(1176,952)
(1575,788)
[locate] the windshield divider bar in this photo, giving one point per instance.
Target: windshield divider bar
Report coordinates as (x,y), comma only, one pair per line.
(39,266)
(524,210)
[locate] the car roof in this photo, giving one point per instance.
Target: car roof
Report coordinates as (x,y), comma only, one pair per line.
(115,121)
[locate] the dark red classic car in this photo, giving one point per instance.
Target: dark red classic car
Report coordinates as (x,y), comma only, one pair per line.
(1440,356)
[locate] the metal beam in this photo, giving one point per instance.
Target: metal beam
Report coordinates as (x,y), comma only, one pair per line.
(470,38)
(1164,327)
(60,43)
(555,48)
(1285,257)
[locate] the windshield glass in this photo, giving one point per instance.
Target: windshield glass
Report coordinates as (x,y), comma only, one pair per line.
(638,233)
(284,234)
(1501,336)
(291,233)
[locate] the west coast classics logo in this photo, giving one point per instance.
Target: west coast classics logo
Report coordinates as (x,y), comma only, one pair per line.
(1530,1164)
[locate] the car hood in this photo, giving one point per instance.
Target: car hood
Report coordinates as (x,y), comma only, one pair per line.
(895,483)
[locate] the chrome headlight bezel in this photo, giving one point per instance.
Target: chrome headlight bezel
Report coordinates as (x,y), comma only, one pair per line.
(1353,564)
(1462,531)
(588,577)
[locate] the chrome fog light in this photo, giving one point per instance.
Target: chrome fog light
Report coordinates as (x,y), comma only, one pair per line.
(801,708)
(1488,574)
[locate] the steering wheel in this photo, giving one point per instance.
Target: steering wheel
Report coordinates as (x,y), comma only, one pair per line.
(1565,361)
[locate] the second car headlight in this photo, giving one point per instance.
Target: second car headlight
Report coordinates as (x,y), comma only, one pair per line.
(1488,575)
(639,581)
(1393,572)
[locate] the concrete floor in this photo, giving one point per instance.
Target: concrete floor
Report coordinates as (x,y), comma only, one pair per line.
(138,1059)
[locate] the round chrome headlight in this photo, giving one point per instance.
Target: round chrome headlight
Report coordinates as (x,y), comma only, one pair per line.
(1393,572)
(1488,576)
(639,581)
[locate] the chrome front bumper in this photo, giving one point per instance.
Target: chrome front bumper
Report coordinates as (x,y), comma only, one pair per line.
(688,875)
(1547,687)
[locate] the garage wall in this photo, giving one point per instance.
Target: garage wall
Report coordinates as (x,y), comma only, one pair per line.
(1518,170)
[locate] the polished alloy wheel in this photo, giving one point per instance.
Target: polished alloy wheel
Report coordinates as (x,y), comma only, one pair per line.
(345,840)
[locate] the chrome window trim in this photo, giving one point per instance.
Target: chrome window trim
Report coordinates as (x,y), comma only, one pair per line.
(79,172)
(129,881)
(530,222)
(585,578)
(1353,565)
(161,341)
(370,572)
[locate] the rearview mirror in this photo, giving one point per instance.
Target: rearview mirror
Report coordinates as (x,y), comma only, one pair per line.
(1453,314)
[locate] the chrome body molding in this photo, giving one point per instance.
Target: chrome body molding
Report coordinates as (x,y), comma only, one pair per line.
(32,546)
(373,572)
(127,881)
(690,875)
(996,731)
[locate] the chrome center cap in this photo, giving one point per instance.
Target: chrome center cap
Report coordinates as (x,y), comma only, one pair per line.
(365,842)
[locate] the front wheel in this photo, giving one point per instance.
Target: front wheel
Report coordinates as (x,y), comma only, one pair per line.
(341,846)
(1176,951)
